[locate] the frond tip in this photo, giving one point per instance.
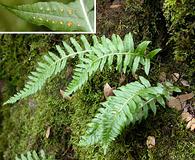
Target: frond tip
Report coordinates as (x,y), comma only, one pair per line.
(130,104)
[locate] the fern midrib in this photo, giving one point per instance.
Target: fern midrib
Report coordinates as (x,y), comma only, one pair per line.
(86,16)
(111,54)
(70,55)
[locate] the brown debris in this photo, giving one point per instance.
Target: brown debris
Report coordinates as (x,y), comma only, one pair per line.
(175,77)
(179,102)
(184,83)
(108,91)
(48,132)
(174,103)
(65,97)
(150,142)
(186,116)
(185,97)
(116,4)
(191,125)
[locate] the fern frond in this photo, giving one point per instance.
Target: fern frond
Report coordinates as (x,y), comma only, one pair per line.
(97,55)
(103,53)
(33,156)
(50,66)
(129,105)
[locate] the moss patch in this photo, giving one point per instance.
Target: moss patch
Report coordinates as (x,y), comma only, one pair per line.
(24,125)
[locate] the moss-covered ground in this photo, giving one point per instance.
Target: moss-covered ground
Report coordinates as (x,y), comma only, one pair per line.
(25,124)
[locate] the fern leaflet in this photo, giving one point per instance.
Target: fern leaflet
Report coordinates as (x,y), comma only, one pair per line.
(129,105)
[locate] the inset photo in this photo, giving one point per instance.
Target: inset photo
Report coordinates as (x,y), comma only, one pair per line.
(60,16)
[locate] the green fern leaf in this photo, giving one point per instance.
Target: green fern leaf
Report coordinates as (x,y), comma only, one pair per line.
(51,65)
(103,53)
(74,16)
(97,55)
(33,156)
(130,104)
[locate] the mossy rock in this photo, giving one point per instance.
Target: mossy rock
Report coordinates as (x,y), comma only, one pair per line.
(180,23)
(25,124)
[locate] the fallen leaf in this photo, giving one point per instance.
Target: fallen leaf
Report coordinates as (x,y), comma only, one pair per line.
(186,116)
(175,77)
(191,124)
(174,103)
(108,91)
(65,97)
(185,97)
(184,83)
(150,142)
(192,127)
(116,4)
(48,132)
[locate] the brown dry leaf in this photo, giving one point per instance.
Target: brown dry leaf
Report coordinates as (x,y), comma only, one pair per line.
(150,142)
(191,124)
(65,97)
(193,127)
(113,6)
(174,103)
(116,4)
(48,132)
(185,97)
(108,91)
(186,116)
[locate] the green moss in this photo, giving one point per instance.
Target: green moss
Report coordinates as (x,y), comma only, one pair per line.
(30,120)
(180,22)
(24,125)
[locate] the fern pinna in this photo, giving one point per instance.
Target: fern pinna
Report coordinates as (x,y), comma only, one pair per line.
(130,104)
(92,57)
